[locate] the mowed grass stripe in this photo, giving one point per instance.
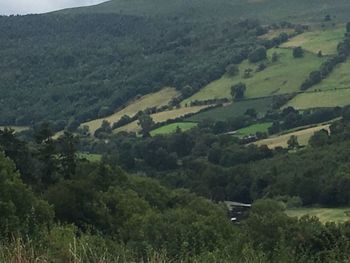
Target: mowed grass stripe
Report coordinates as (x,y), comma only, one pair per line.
(161,117)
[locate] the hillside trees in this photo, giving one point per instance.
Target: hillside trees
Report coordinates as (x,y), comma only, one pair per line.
(315,77)
(298,52)
(238,91)
(146,123)
(232,70)
(20,210)
(257,54)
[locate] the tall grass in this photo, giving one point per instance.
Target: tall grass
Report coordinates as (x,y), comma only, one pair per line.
(19,251)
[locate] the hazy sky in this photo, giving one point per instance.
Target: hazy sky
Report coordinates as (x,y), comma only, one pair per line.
(8,7)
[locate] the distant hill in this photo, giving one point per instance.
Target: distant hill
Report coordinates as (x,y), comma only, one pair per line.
(266,10)
(75,68)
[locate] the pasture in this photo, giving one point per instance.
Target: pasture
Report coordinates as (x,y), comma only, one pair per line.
(302,135)
(318,40)
(171,128)
(253,129)
(319,99)
(338,79)
(336,215)
(284,76)
(332,91)
(234,110)
(158,99)
(161,117)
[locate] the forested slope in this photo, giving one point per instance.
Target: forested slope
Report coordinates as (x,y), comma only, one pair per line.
(74,68)
(210,10)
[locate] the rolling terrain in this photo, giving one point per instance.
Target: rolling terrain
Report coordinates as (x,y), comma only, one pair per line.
(176,131)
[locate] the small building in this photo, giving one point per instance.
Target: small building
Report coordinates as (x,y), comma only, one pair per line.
(237,211)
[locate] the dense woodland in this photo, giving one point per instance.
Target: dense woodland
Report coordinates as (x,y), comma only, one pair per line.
(83,67)
(54,196)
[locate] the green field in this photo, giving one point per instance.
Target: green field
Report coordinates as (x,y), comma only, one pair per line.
(284,76)
(171,128)
(319,40)
(328,98)
(338,79)
(158,99)
(90,157)
(253,129)
(282,140)
(234,110)
(337,215)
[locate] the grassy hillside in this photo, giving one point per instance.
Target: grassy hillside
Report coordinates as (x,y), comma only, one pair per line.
(233,110)
(284,76)
(81,64)
(266,10)
(157,100)
(325,40)
(302,135)
(253,129)
(332,91)
(327,98)
(171,128)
